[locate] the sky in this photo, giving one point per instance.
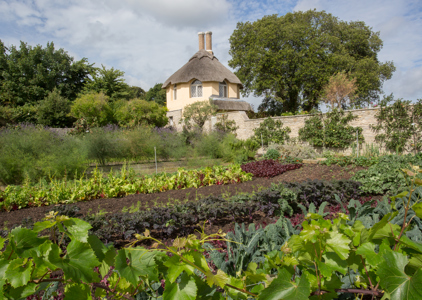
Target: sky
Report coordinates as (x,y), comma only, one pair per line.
(151,39)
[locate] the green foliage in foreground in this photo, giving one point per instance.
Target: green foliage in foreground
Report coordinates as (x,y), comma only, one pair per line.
(101,186)
(326,259)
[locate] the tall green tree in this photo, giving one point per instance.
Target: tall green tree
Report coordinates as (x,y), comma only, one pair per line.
(292,57)
(137,92)
(156,94)
(29,74)
(110,82)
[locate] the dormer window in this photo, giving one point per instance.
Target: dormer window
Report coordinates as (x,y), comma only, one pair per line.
(223,90)
(196,89)
(175,92)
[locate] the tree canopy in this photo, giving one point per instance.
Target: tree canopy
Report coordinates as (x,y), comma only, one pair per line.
(109,82)
(28,74)
(156,94)
(292,57)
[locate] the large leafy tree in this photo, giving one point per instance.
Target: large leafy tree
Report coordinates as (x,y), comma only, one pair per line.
(28,74)
(293,56)
(110,82)
(156,94)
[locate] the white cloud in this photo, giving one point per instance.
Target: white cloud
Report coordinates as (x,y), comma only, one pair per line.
(191,13)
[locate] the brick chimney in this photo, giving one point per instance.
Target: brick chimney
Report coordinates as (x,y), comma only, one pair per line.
(208,37)
(201,40)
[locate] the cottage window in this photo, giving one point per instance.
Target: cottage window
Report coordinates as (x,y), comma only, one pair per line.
(223,90)
(175,92)
(196,89)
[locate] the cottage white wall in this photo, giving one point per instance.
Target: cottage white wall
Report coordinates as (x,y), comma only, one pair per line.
(232,90)
(183,94)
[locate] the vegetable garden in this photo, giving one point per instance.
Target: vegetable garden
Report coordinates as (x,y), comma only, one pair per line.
(347,232)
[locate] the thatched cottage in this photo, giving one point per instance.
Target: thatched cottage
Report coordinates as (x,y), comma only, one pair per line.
(203,77)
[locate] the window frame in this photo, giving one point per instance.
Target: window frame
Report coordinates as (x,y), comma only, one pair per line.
(196,86)
(223,85)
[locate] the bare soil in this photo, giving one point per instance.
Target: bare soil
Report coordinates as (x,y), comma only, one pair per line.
(149,201)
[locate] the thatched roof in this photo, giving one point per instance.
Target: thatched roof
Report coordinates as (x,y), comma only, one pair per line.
(203,66)
(231,105)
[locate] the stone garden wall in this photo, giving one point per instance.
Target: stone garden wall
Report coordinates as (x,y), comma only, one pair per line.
(366,117)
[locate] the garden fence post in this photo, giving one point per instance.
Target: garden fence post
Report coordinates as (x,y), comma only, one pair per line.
(155,153)
(357,143)
(262,143)
(414,131)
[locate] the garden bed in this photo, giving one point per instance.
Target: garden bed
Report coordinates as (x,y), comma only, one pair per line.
(149,201)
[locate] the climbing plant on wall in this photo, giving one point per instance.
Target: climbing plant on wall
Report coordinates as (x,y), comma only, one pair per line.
(399,125)
(331,130)
(271,131)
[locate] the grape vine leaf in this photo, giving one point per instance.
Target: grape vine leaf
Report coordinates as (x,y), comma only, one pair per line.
(78,229)
(78,263)
(23,240)
(2,283)
(104,253)
(411,244)
(3,267)
(283,288)
(141,263)
(339,243)
(198,259)
(418,210)
(40,226)
(185,290)
(205,291)
(40,257)
(234,293)
(381,224)
(77,292)
(367,250)
(176,267)
(395,281)
(335,262)
(19,271)
(219,279)
(23,291)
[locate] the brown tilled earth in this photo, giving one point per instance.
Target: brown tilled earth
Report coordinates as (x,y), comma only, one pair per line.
(149,201)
